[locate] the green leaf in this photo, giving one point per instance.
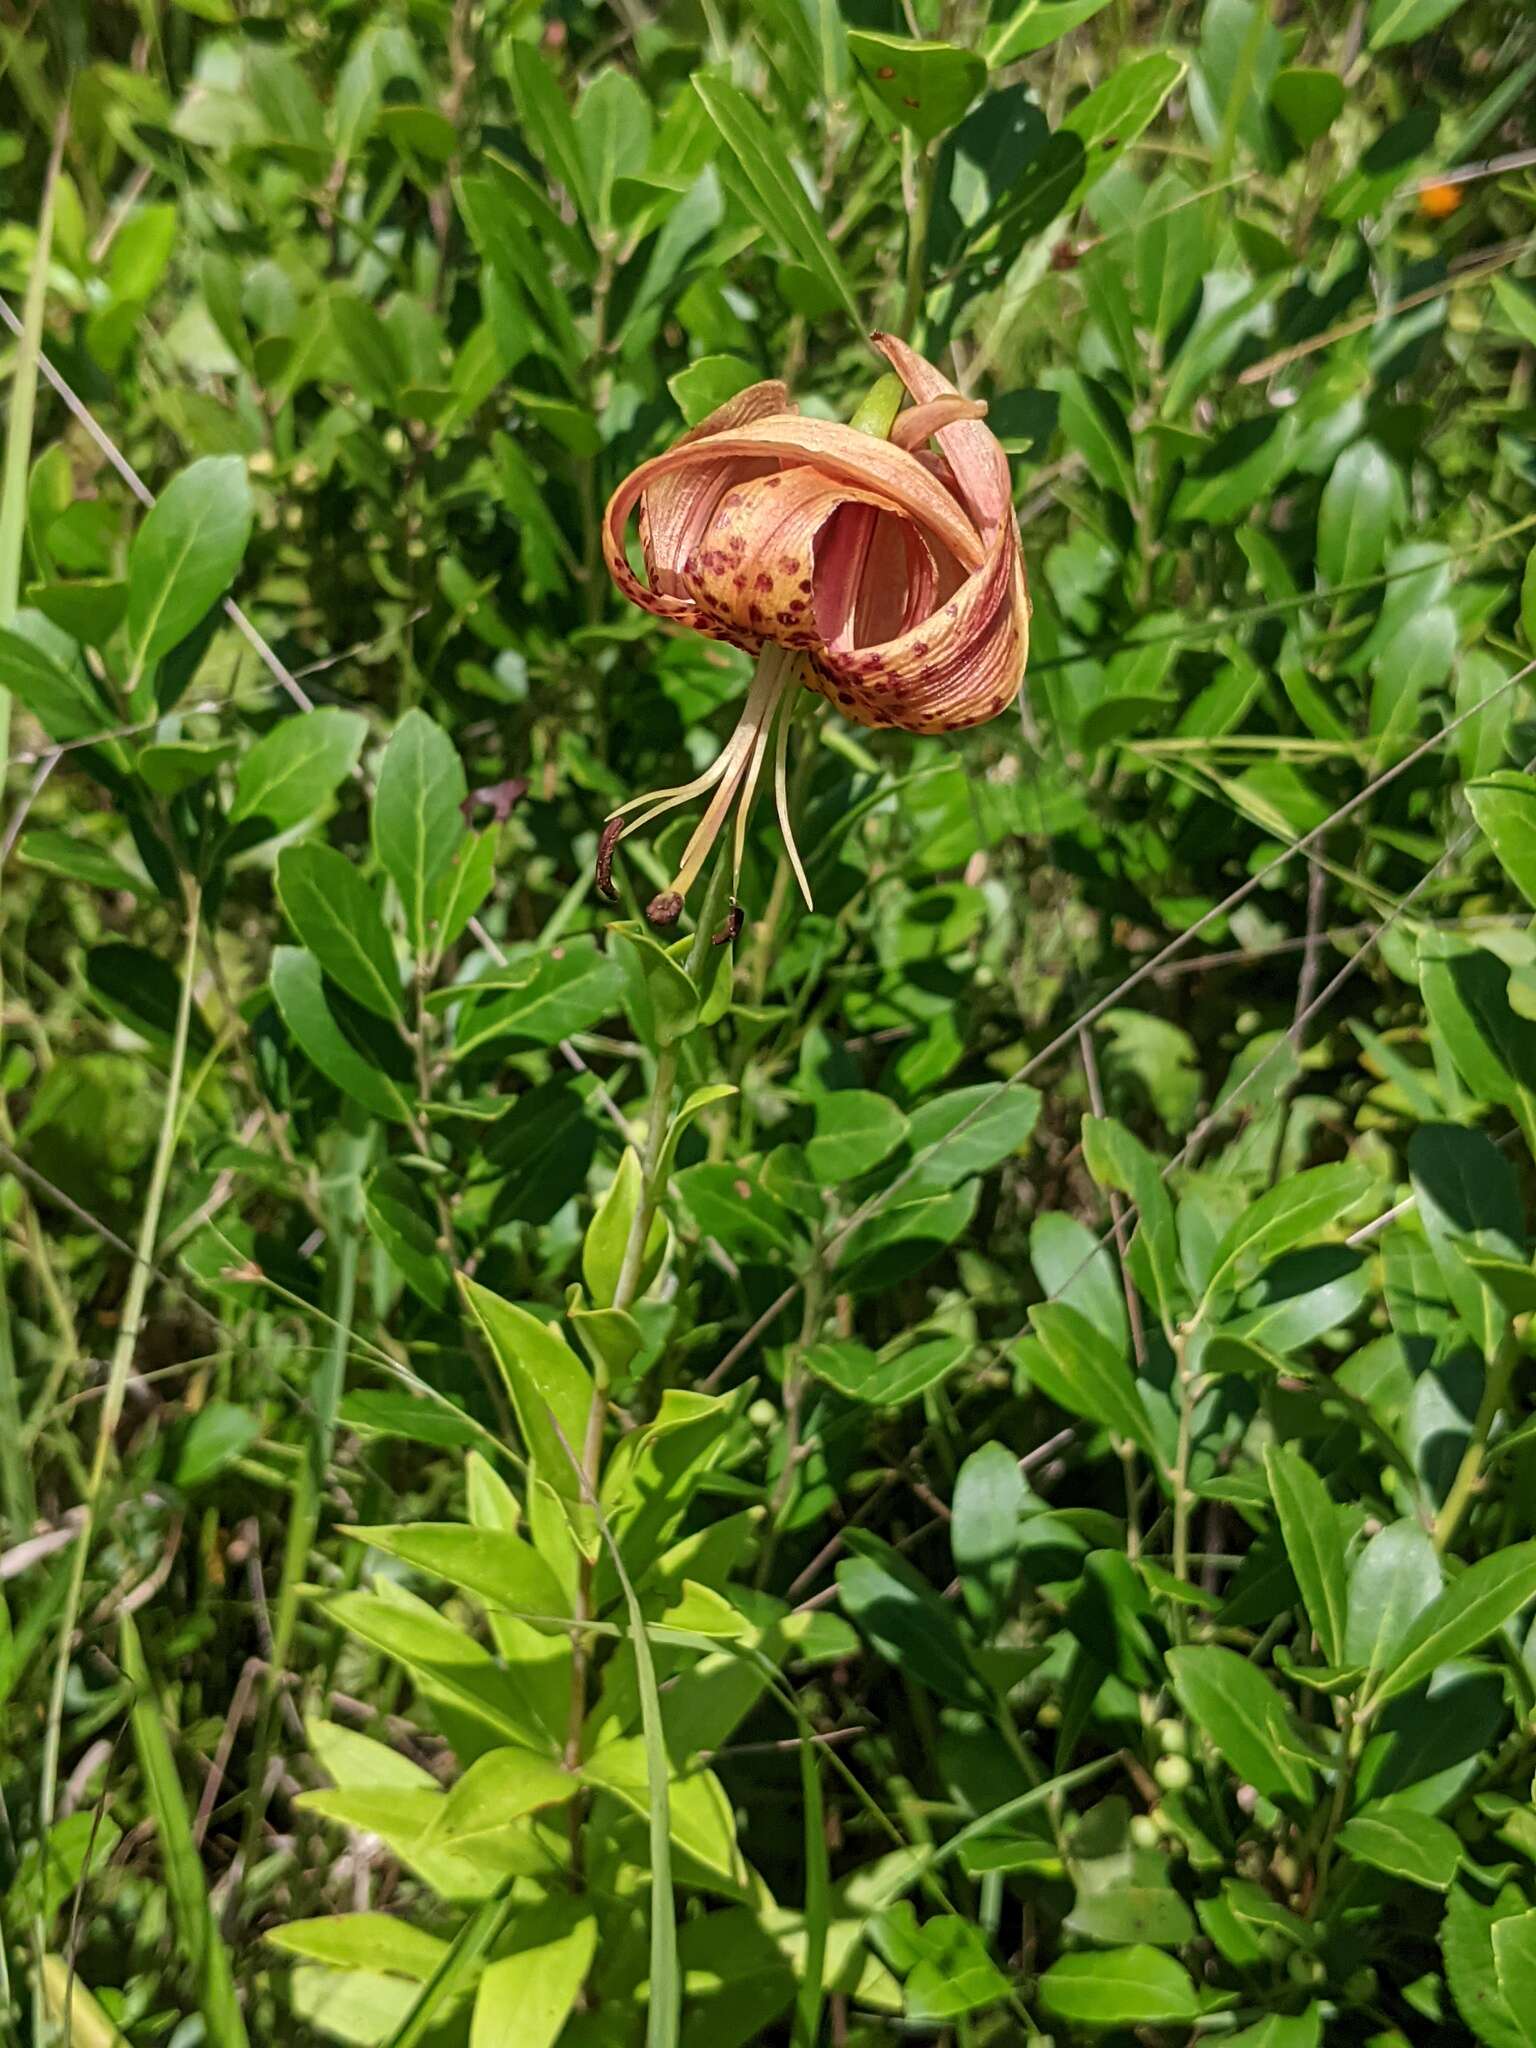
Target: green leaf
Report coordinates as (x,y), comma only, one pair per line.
(1466,991)
(80,860)
(613,134)
(1118,1160)
(1395,1577)
(217,1434)
(966,1132)
(986,1511)
(310,1014)
(672,996)
(912,1627)
(38,667)
(294,768)
(171,766)
(707,383)
(1468,1199)
(1473,1607)
(551,1389)
(336,914)
(377,371)
(1244,1717)
(1114,114)
(1528,600)
(773,192)
(1404,21)
(887,1381)
(1296,1210)
(1083,1371)
(1037,23)
(855,1130)
(418,820)
(549,126)
(362,1941)
(926,86)
(1471,1968)
(88,609)
(144,992)
(540,998)
(1359,502)
(1504,805)
(700,1820)
(526,1995)
(607,1236)
(1393,1837)
(185,554)
(953,1973)
(1308,101)
(1121,1988)
(1313,1544)
(1514,1968)
(407,1230)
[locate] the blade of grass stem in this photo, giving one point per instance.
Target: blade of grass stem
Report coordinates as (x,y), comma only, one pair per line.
(185,1880)
(17,1500)
(112,1404)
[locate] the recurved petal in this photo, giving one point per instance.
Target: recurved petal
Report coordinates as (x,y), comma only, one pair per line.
(839,453)
(971,448)
(676,508)
(959,666)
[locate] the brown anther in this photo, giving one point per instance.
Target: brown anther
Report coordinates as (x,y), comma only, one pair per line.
(730,931)
(605,846)
(664,909)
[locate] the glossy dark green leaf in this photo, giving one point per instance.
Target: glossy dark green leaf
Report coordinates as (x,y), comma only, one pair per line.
(1394,1837)
(906,1621)
(540,998)
(403,1223)
(1359,501)
(1313,1544)
(1504,805)
(1394,1578)
(1477,1603)
(336,914)
(1084,1371)
(418,821)
(185,554)
(144,991)
(1244,1717)
(336,1043)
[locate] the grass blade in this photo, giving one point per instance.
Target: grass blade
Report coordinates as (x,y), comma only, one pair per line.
(184,1876)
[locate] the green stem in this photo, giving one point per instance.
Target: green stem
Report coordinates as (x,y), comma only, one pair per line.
(117,1383)
(1338,1807)
(17,1499)
(1469,1474)
(1182,1498)
(625,1290)
(344,1215)
(922,165)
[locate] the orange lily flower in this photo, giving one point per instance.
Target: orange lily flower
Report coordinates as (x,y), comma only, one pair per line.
(883,575)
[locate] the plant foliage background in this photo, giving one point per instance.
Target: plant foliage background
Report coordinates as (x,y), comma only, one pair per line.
(1059,1556)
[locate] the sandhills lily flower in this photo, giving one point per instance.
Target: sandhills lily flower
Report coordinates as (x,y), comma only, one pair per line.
(884,574)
